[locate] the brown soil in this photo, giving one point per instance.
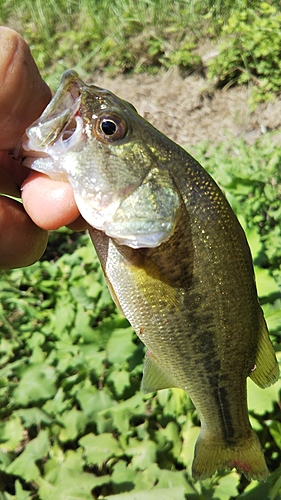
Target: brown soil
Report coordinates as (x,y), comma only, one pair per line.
(188,111)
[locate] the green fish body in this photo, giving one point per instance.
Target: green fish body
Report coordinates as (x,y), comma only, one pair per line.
(175,258)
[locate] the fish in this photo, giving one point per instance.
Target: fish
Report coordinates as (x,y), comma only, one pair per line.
(175,258)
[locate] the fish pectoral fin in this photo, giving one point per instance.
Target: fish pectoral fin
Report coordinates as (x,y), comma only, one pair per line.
(266,369)
(155,377)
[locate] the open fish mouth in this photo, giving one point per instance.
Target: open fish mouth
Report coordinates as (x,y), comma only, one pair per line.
(60,127)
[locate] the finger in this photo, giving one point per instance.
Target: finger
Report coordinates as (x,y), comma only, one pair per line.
(49,203)
(22,242)
(24,94)
(12,175)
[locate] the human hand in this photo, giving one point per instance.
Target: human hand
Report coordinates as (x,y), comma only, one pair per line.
(46,204)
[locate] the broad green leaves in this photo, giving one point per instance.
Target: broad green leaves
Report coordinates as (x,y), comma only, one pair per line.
(65,479)
(99,449)
(173,493)
(25,465)
(12,433)
(261,400)
(37,382)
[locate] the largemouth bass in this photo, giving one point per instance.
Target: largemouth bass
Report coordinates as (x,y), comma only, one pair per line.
(175,258)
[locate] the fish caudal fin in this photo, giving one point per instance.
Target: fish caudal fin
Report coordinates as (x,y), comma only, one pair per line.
(246,456)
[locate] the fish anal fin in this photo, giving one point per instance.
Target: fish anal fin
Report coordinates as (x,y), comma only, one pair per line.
(246,456)
(266,369)
(155,377)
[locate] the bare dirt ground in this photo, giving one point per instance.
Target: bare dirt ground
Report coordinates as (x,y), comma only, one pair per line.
(189,111)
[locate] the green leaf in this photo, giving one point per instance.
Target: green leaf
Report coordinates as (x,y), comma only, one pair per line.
(261,400)
(266,284)
(92,286)
(57,404)
(123,477)
(120,345)
(37,383)
(143,453)
(33,416)
(172,478)
(80,295)
(94,401)
(82,326)
(120,414)
(98,449)
(120,380)
(11,433)
(147,478)
(22,494)
(273,316)
(275,431)
(96,360)
(74,423)
(227,486)
(5,459)
(66,479)
(173,401)
(169,437)
(35,450)
(176,493)
(189,436)
(254,239)
(103,331)
(63,315)
(87,253)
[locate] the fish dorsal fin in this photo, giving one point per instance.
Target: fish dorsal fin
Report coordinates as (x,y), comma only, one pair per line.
(266,370)
(154,376)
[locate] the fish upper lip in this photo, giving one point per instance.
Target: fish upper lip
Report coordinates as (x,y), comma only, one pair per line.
(59,122)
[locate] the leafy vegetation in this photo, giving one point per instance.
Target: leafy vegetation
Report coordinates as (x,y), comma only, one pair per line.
(147,36)
(150,35)
(74,423)
(250,51)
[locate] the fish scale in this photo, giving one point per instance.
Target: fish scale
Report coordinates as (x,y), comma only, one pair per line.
(175,258)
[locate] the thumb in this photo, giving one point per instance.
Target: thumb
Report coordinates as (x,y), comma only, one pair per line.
(24,94)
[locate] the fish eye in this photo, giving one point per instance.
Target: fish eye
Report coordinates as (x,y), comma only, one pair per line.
(111,127)
(108,127)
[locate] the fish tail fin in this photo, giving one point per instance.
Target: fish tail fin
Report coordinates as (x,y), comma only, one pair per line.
(246,456)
